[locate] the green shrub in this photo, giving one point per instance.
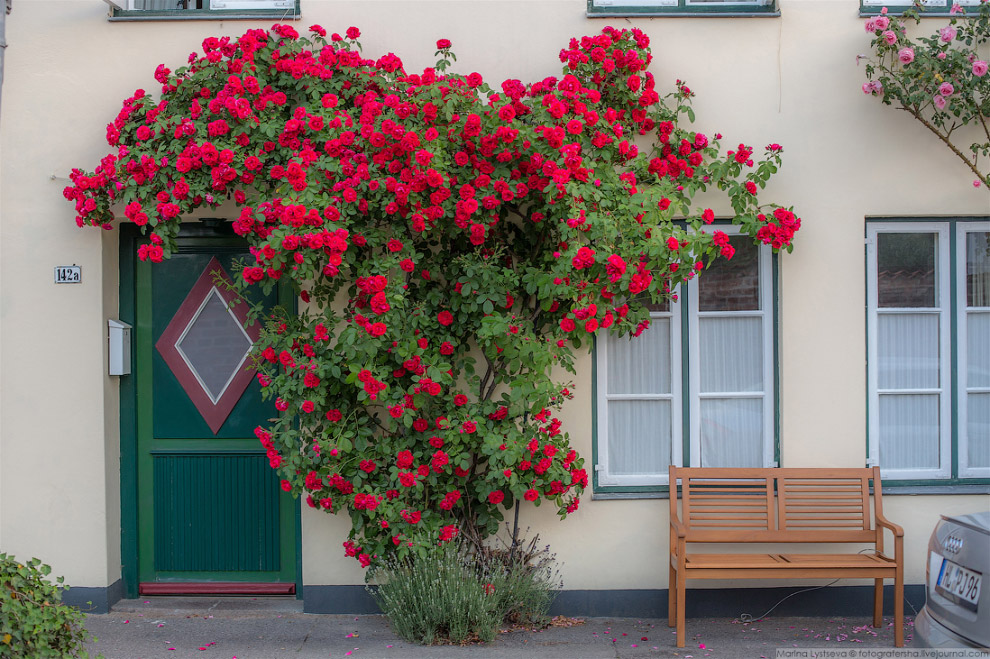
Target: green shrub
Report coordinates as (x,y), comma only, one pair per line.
(525,580)
(455,594)
(33,621)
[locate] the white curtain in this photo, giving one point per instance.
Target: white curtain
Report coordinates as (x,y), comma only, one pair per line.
(978,430)
(731,351)
(161,5)
(908,350)
(909,431)
(908,359)
(639,401)
(638,437)
(640,365)
(731,362)
(977,349)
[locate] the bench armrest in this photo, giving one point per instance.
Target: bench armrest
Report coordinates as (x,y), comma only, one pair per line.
(887,524)
(677,528)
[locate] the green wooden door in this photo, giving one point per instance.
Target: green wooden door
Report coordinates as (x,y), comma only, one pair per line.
(211,517)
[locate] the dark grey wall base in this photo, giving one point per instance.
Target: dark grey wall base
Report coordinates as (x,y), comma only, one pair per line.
(719,603)
(733,602)
(94,600)
(338,599)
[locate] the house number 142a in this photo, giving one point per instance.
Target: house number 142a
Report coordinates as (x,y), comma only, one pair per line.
(68,274)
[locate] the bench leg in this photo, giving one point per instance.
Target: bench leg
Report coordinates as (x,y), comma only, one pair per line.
(671,596)
(681,592)
(877,602)
(899,609)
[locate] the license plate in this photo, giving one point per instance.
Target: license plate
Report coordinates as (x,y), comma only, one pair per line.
(959,584)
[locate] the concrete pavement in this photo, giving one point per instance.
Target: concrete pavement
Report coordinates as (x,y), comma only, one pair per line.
(273,628)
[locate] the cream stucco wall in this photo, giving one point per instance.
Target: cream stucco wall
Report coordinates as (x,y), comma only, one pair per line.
(793,80)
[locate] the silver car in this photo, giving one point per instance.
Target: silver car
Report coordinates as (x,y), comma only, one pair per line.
(957,614)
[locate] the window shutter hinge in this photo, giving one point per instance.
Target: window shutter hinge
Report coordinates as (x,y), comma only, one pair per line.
(599,468)
(870,462)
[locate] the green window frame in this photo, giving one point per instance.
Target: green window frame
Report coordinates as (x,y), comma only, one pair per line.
(948,350)
(683,394)
(685,8)
(148,10)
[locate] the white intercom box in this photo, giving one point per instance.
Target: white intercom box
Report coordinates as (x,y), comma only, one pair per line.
(120,347)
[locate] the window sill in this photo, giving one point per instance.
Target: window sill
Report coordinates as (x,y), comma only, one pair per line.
(624,496)
(682,14)
(962,488)
(118,16)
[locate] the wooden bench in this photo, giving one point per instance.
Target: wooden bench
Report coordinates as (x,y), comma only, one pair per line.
(745,506)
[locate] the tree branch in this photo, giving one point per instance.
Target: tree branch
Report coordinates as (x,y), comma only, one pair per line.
(985,178)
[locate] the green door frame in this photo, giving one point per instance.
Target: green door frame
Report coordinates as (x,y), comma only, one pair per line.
(135,275)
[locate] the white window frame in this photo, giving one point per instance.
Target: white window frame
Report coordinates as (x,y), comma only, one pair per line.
(943,293)
(128,9)
(962,346)
(605,476)
(766,314)
(677,356)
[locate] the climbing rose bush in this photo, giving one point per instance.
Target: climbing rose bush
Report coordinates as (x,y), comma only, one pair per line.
(454,247)
(939,79)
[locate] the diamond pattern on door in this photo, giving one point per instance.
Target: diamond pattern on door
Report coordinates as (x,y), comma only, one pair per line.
(206,345)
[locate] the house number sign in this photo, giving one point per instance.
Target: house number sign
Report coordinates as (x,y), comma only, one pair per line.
(68,274)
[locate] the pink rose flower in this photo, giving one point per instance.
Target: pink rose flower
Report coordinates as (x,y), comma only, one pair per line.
(979,68)
(940,102)
(946,89)
(882,22)
(889,38)
(947,33)
(906,55)
(872,87)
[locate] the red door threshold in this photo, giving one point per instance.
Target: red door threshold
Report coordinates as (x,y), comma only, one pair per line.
(216,588)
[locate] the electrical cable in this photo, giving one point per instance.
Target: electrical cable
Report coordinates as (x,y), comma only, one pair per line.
(745,617)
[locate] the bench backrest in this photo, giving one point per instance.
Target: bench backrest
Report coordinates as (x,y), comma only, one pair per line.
(775,504)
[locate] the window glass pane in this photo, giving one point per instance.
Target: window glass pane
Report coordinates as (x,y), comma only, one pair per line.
(163,5)
(907,348)
(906,270)
(978,430)
(909,431)
(978,350)
(659,307)
(731,354)
(640,365)
(732,285)
(214,346)
(638,437)
(732,432)
(635,3)
(978,269)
